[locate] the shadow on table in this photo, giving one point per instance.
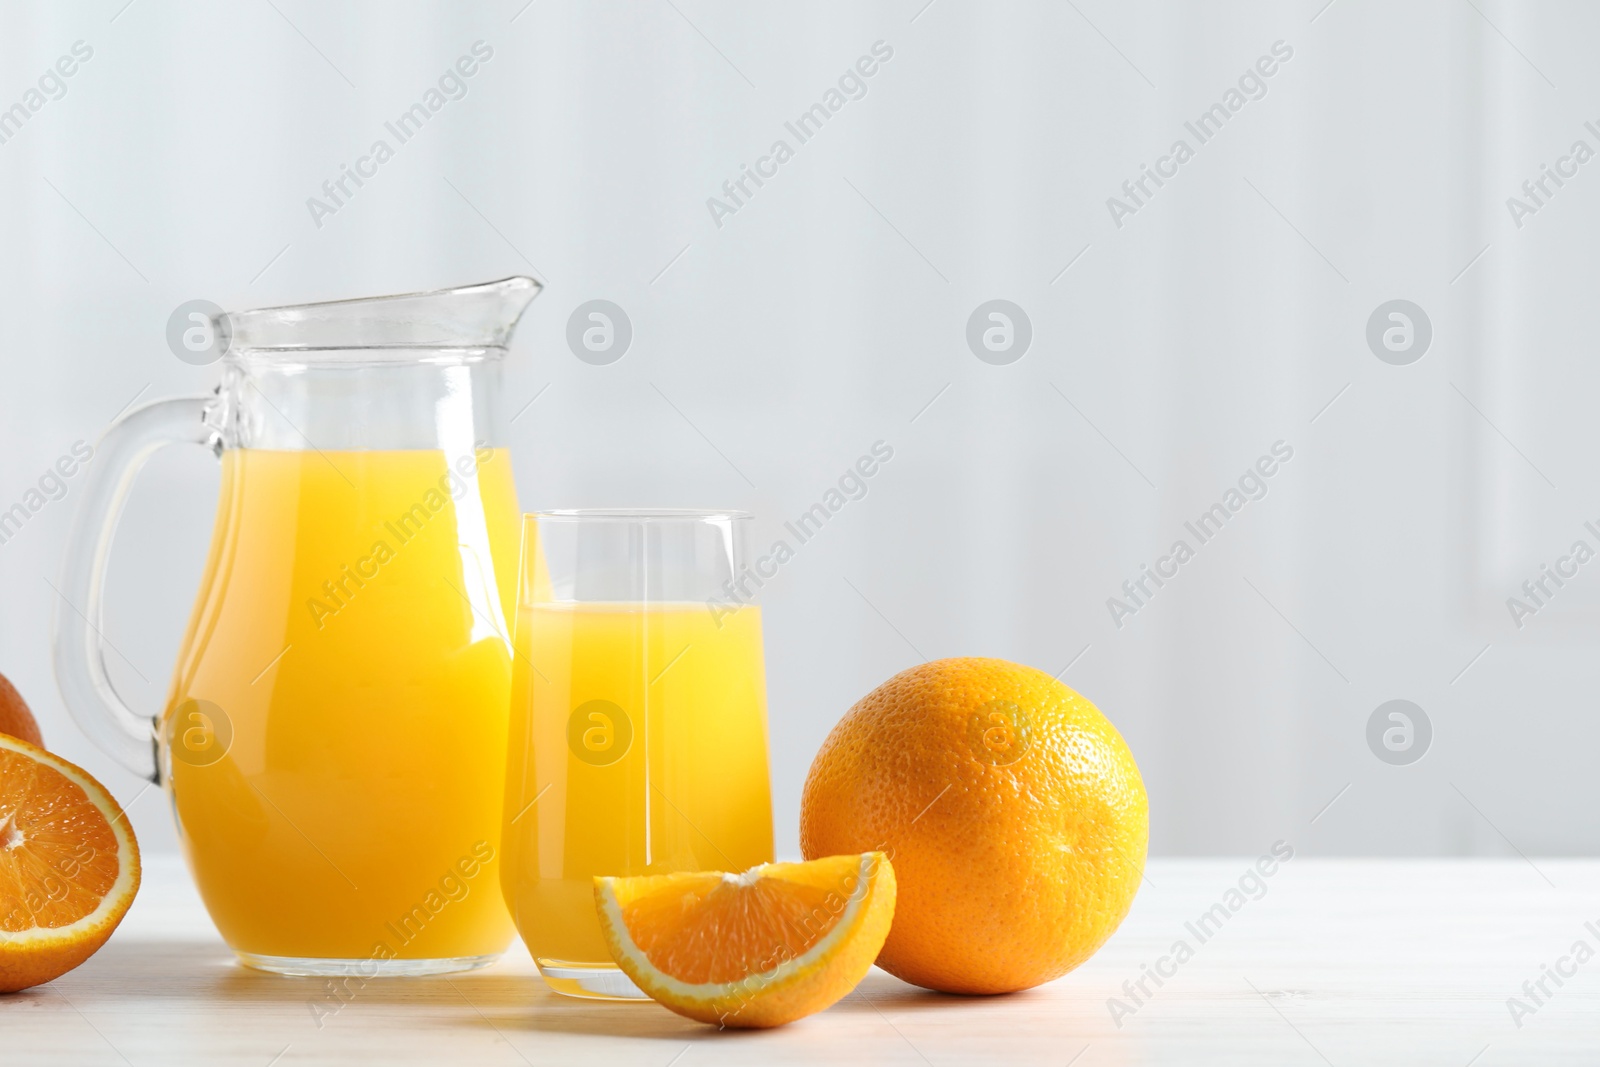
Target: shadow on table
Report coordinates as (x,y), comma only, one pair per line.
(504,997)
(878,994)
(208,970)
(882,992)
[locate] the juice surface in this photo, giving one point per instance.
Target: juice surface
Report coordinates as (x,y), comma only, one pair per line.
(347,650)
(638,746)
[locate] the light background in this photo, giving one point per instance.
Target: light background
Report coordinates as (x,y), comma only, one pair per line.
(830,312)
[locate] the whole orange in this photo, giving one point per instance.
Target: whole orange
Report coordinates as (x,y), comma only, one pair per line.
(15,718)
(1011,808)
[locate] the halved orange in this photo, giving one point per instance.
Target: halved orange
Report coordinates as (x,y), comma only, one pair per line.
(69,865)
(762,948)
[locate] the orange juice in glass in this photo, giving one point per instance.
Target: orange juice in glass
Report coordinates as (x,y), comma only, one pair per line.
(333,740)
(638,723)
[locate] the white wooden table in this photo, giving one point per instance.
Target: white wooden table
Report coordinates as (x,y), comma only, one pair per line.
(1339,962)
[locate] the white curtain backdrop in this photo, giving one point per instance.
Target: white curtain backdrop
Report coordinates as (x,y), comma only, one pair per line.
(1227,313)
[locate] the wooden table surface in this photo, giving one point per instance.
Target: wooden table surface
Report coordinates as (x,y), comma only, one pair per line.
(1326,962)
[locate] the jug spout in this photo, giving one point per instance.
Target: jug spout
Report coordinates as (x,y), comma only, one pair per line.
(472,316)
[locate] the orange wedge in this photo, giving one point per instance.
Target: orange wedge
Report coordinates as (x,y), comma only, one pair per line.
(69,865)
(762,948)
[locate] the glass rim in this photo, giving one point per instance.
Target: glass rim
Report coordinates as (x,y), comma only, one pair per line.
(637,514)
(292,357)
(463,317)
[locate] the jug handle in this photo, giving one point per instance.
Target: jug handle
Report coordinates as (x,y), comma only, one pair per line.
(79,644)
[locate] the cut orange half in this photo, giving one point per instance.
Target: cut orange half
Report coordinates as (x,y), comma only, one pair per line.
(762,948)
(69,865)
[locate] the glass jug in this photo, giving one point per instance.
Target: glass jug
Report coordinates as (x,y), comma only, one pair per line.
(334,737)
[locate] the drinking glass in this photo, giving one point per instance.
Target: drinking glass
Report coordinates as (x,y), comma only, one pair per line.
(638,741)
